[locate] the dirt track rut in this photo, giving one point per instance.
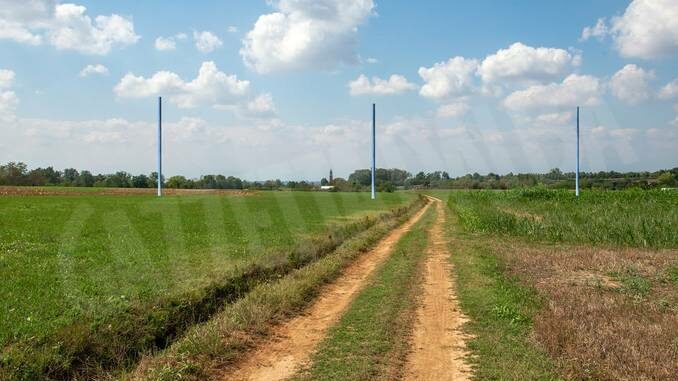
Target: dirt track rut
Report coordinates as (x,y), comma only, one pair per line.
(438,344)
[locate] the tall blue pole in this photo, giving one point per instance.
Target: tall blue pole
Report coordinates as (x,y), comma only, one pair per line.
(576,179)
(374,147)
(159,146)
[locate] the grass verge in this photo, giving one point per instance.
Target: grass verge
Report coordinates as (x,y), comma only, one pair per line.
(93,347)
(501,312)
(371,340)
(212,345)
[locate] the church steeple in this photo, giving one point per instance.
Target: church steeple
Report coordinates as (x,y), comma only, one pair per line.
(331,177)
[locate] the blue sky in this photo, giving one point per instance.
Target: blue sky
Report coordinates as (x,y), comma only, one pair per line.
(286,86)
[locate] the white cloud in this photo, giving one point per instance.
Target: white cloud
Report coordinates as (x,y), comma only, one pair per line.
(65,26)
(187,129)
(575,90)
(647,29)
(598,31)
(8,104)
(454,109)
(206,41)
(169,43)
(73,30)
(395,84)
(554,118)
(21,21)
(630,84)
(450,78)
(8,99)
(210,87)
(615,133)
(669,91)
(232,29)
(520,62)
(317,34)
(260,107)
(6,78)
(541,118)
(164,44)
(18,32)
(371,60)
(94,69)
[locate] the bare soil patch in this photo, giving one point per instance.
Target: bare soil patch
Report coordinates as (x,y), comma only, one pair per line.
(610,314)
(75,191)
(293,342)
(438,343)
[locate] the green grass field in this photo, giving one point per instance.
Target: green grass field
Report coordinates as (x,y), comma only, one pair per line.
(72,260)
(636,218)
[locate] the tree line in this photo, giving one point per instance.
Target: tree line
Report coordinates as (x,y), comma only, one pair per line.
(387,180)
(555,178)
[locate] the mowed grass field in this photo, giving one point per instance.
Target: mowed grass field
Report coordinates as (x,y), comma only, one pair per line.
(65,260)
(559,287)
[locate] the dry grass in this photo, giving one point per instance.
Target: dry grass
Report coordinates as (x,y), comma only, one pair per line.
(522,214)
(609,314)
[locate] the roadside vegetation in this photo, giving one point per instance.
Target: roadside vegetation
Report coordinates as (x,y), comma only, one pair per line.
(562,287)
(90,283)
(371,340)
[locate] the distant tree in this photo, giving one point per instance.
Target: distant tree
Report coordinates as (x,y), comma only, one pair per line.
(70,176)
(140,181)
(340,184)
(361,177)
(666,179)
(13,173)
(153,180)
(36,177)
(85,179)
(324,182)
(119,179)
(386,186)
(179,182)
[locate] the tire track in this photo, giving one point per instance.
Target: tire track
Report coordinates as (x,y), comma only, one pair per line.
(438,344)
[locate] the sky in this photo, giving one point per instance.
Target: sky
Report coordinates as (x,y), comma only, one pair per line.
(284,88)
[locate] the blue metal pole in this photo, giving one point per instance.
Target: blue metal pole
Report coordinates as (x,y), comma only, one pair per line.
(576,180)
(374,147)
(159,146)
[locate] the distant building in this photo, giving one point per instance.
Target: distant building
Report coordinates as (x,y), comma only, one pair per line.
(326,187)
(331,177)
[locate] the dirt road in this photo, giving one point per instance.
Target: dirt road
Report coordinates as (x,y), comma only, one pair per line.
(294,341)
(438,345)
